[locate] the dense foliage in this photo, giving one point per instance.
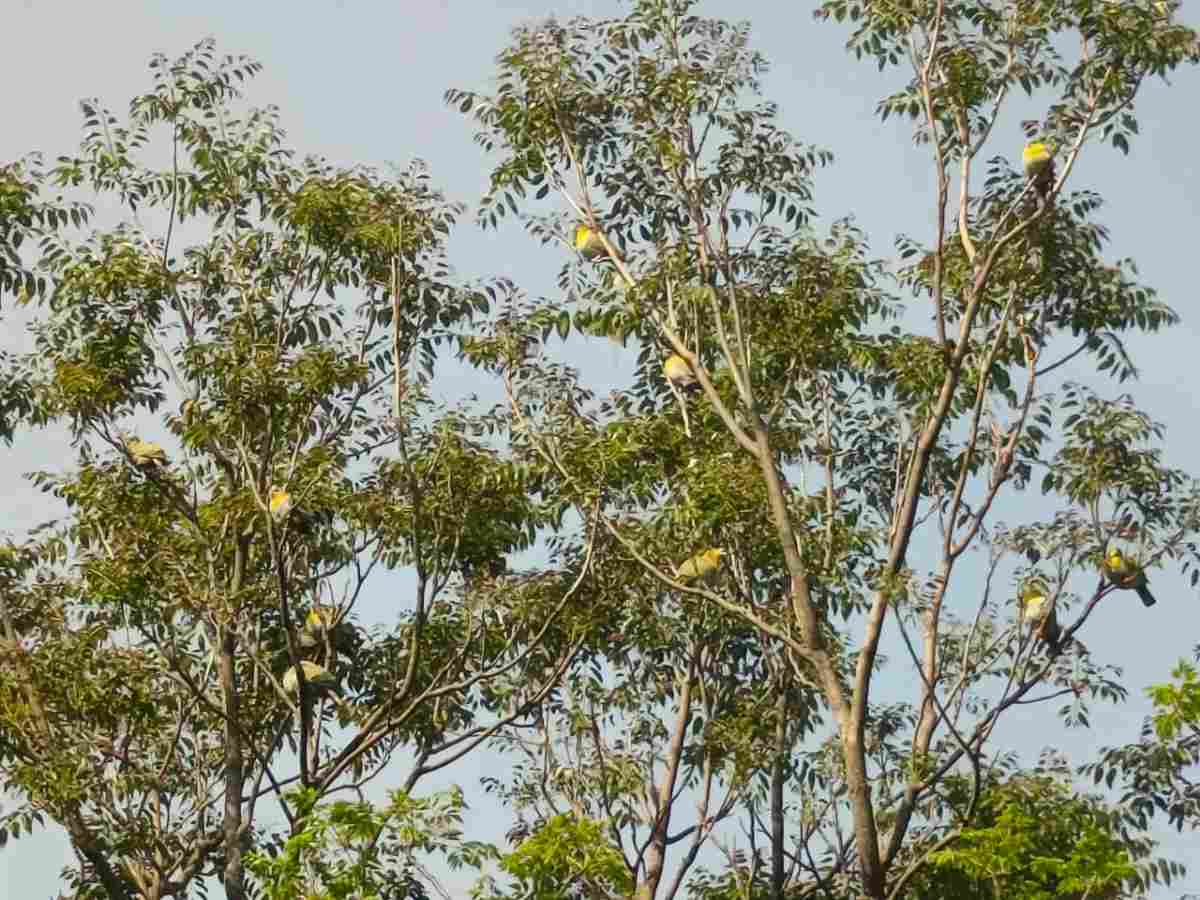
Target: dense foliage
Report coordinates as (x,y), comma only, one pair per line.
(243,351)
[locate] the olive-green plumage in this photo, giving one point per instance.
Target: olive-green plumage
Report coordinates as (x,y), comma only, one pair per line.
(279,504)
(322,620)
(316,677)
(145,454)
(1127,575)
(705,566)
(1038,609)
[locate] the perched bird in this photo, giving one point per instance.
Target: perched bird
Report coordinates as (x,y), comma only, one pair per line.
(1037,609)
(282,509)
(316,677)
(679,373)
(1038,160)
(188,414)
(588,242)
(146,455)
(319,620)
(1126,574)
(323,619)
(705,565)
(280,503)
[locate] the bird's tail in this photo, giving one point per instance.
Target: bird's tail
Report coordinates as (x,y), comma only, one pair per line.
(1055,643)
(1051,633)
(1145,596)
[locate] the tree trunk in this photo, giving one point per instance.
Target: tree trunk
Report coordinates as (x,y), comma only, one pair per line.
(234,774)
(778,777)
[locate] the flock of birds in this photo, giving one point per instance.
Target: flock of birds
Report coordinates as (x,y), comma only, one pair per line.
(1036,607)
(324,628)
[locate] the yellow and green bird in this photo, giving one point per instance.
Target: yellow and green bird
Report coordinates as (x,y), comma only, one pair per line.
(281,507)
(1127,575)
(1038,609)
(280,503)
(705,566)
(318,678)
(319,620)
(327,619)
(1038,160)
(679,373)
(588,242)
(145,454)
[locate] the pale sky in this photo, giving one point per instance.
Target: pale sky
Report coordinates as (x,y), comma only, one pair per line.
(362,82)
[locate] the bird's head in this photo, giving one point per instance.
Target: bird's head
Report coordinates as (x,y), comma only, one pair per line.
(1035,591)
(714,555)
(583,234)
(1115,558)
(1036,150)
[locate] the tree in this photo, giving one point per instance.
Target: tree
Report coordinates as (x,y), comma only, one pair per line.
(243,358)
(185,641)
(568,856)
(349,849)
(1035,839)
(646,131)
(1157,773)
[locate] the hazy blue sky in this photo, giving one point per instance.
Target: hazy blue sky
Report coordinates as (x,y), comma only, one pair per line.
(363,82)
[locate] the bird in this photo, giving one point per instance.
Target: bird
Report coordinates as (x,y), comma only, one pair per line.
(317,677)
(322,619)
(1038,160)
(145,454)
(319,620)
(302,521)
(280,503)
(679,373)
(705,565)
(1126,574)
(1038,609)
(588,242)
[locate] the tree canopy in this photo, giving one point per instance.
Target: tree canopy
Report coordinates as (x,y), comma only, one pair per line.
(768,627)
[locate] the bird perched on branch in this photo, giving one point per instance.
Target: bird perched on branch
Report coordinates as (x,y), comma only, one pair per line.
(145,454)
(705,566)
(679,373)
(1038,161)
(1038,609)
(280,503)
(318,679)
(326,619)
(1127,575)
(588,242)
